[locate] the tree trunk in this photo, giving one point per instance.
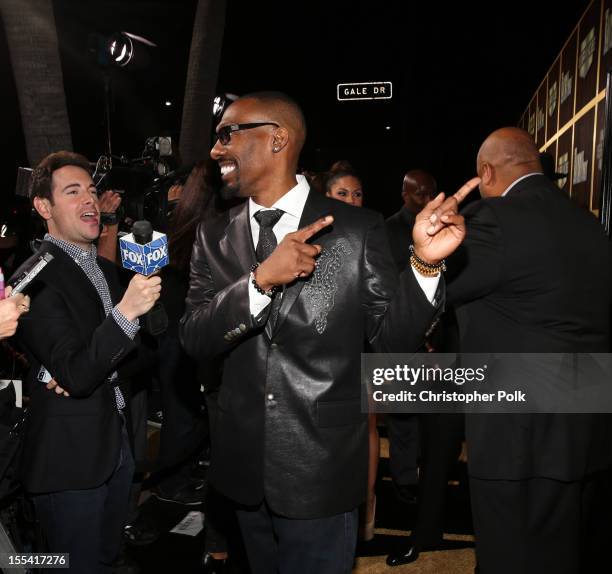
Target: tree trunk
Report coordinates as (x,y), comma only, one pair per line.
(33,46)
(201,84)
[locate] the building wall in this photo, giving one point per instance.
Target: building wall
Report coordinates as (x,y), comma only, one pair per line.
(566,115)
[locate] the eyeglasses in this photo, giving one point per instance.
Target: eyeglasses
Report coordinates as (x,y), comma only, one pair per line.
(224,134)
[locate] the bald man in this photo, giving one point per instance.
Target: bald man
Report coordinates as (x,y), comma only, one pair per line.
(418,188)
(422,448)
(284,290)
(533,276)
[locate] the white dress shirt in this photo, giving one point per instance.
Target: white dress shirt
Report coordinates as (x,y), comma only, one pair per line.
(292,205)
(519,179)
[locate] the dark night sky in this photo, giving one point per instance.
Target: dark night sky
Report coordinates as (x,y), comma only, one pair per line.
(458,72)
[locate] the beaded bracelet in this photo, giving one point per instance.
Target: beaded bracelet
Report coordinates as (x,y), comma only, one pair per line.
(424,268)
(270,293)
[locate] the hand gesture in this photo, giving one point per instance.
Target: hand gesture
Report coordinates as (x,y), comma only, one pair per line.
(439,229)
(11,309)
(140,296)
(293,257)
(52,385)
(175,192)
(109,202)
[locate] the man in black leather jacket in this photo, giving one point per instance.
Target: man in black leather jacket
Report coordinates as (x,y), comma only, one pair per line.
(288,317)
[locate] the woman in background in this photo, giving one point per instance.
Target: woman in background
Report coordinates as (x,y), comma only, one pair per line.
(344,185)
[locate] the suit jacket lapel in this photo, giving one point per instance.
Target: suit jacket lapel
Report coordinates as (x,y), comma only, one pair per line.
(316,206)
(238,237)
(72,274)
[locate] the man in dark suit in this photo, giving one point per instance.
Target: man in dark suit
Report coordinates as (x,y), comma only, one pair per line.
(418,189)
(533,276)
(422,449)
(288,319)
(80,332)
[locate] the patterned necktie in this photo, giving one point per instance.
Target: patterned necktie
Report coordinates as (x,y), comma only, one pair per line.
(265,246)
(267,243)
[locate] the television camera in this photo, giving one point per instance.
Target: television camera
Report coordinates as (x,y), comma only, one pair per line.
(143,183)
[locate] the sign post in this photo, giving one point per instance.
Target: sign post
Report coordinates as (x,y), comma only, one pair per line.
(365,91)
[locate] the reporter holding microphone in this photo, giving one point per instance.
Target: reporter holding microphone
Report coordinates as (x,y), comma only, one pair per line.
(81,337)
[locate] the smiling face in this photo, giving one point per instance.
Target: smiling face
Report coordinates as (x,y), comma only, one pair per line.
(246,160)
(347,189)
(72,214)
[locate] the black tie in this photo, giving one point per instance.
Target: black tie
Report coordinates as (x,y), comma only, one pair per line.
(267,243)
(267,240)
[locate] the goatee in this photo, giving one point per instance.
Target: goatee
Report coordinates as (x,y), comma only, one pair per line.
(228,192)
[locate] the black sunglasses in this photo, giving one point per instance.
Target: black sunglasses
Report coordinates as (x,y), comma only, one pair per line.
(224,134)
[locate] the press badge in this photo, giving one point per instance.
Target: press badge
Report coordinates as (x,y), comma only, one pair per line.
(44,376)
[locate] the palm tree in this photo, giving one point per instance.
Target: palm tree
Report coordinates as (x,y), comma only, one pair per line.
(33,46)
(201,83)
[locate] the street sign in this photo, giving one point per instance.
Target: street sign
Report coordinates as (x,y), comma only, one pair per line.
(365,91)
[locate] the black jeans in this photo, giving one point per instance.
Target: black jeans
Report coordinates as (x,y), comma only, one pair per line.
(88,524)
(293,546)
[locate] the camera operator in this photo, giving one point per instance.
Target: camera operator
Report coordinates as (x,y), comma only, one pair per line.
(152,191)
(80,337)
(108,204)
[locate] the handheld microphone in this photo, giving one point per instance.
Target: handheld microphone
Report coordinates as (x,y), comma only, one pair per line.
(22,277)
(146,251)
(28,271)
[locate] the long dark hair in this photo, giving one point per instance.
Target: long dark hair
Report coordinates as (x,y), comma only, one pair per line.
(197,201)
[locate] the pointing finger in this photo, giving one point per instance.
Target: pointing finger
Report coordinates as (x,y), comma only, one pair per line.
(307,232)
(466,188)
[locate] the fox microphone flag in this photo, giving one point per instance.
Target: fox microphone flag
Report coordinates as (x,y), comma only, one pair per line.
(144,251)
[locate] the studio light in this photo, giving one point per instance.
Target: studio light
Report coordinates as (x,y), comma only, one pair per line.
(125,48)
(121,50)
(220,103)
